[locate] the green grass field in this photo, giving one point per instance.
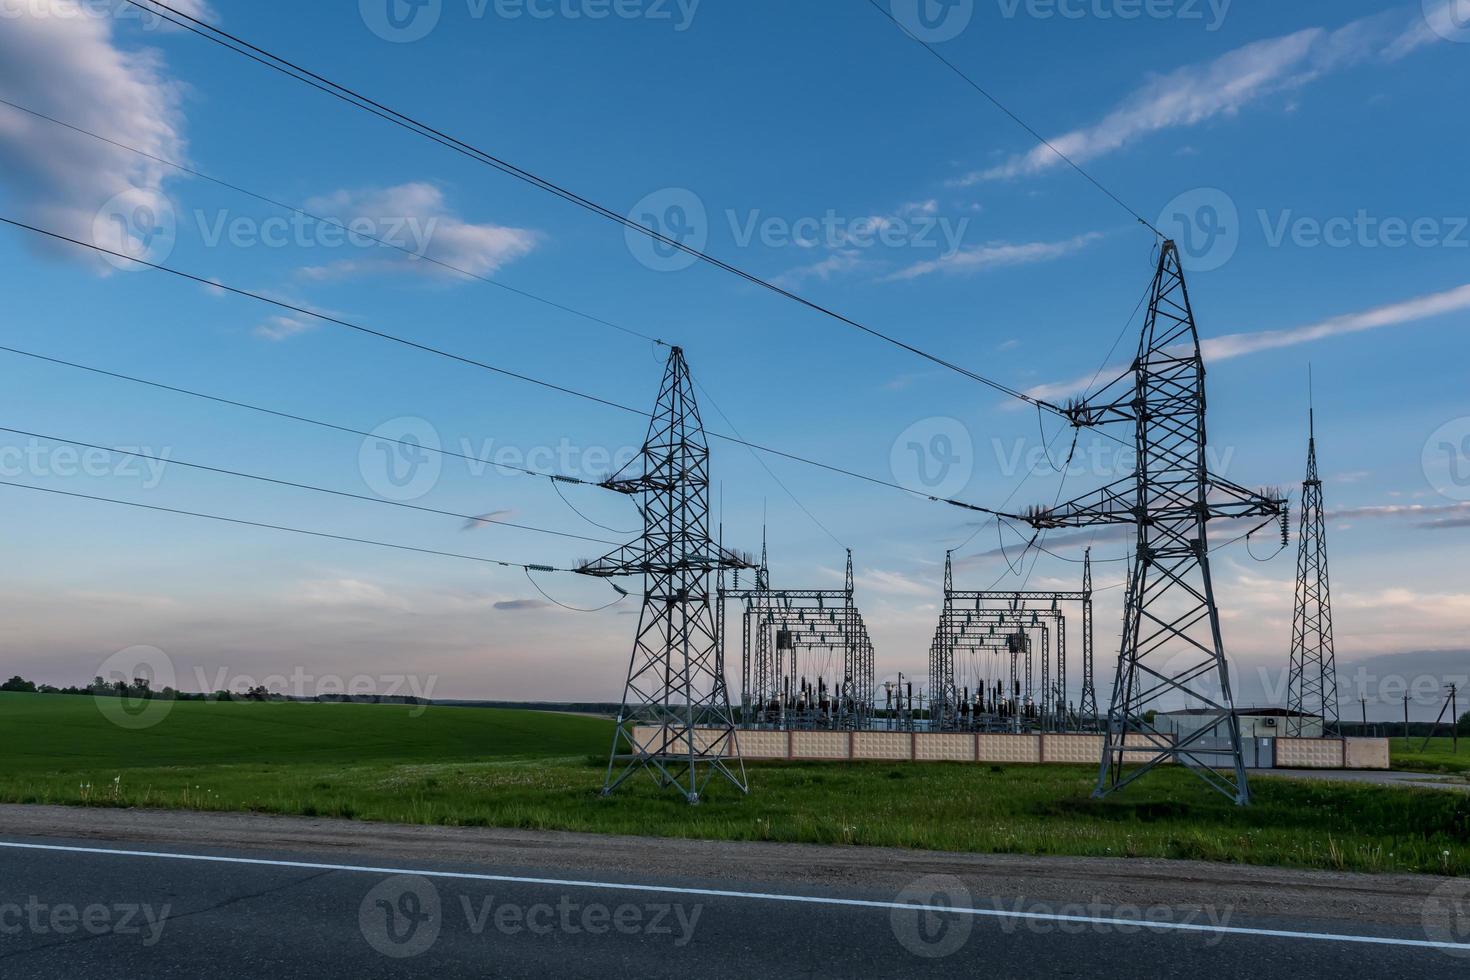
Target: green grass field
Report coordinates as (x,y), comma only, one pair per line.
(1438,756)
(484,767)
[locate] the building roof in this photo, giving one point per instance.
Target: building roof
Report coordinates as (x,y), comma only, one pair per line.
(1245,712)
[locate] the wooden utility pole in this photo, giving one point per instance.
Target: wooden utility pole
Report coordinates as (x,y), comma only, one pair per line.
(1449,705)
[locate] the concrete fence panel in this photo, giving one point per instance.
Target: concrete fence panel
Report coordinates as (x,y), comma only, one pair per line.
(820,745)
(1367,753)
(1309,753)
(763,744)
(1009,748)
(880,746)
(1076,749)
(944,747)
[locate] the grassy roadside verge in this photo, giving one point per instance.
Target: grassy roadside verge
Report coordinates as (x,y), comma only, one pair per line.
(479,767)
(1438,757)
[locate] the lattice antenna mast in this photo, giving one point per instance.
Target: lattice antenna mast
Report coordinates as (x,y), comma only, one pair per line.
(1087,705)
(1172,650)
(943,694)
(1313,684)
(675,721)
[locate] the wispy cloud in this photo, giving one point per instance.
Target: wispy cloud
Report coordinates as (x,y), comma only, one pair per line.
(521,605)
(1224,348)
(1447,19)
(995,255)
(1428,515)
(893,583)
(485,520)
(846,260)
(345,592)
(417,218)
(279,328)
(1223,87)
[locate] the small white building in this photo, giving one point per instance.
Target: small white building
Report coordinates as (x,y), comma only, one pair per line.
(1254,722)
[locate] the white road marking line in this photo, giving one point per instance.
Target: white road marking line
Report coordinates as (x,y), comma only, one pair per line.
(759,896)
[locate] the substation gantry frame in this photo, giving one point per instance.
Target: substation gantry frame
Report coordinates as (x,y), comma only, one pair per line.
(999,703)
(776,624)
(1015,607)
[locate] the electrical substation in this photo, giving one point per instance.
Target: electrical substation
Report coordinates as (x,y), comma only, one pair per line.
(1000,664)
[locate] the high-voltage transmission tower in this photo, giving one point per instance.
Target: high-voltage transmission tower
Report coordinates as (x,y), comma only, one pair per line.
(1172,652)
(675,720)
(1313,686)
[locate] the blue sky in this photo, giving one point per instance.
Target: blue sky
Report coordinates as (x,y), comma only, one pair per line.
(1308,149)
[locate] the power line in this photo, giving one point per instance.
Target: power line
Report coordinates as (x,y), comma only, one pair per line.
(765,466)
(334,223)
(283,415)
(282,527)
(351,97)
(216,284)
(1013,117)
(472,520)
(327,318)
(557,602)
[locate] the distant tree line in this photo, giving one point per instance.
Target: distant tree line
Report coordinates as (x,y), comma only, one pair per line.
(141,689)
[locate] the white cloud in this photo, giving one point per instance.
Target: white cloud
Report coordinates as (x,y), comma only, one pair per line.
(1224,348)
(1391,315)
(284,327)
(1445,20)
(1440,515)
(415,217)
(893,583)
(61,58)
(1197,93)
(345,592)
(845,260)
(996,254)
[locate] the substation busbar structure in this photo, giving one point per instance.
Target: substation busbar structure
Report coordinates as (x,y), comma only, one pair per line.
(1172,650)
(990,624)
(806,655)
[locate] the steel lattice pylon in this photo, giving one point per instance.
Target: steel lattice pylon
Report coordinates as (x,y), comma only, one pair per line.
(675,720)
(1313,685)
(1172,646)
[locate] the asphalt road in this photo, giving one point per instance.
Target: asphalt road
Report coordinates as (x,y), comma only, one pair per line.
(145,909)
